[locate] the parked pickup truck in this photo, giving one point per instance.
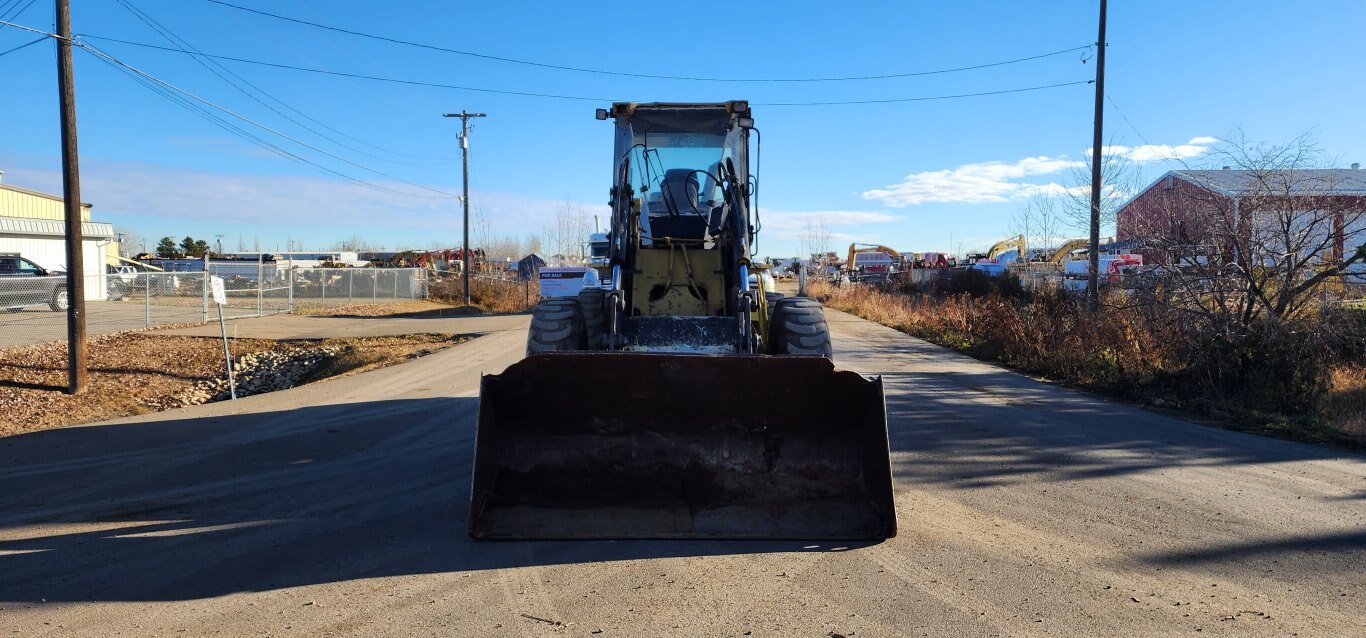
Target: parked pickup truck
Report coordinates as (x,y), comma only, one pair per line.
(24,284)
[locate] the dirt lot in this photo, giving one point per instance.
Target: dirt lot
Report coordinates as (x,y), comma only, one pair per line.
(136,373)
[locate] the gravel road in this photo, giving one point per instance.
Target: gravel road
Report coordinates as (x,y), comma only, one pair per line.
(339,509)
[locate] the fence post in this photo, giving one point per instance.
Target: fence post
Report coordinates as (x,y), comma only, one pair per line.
(147,296)
(204,289)
(350,286)
(322,278)
(374,286)
(395,290)
(289,275)
(260,280)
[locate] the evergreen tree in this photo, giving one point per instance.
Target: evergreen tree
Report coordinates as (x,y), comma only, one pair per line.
(166,248)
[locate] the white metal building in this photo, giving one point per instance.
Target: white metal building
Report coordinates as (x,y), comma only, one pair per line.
(33,225)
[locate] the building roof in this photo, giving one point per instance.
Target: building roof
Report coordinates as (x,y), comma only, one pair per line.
(26,191)
(52,228)
(1313,181)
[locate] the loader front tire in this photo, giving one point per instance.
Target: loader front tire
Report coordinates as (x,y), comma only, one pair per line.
(798,327)
(556,326)
(593,306)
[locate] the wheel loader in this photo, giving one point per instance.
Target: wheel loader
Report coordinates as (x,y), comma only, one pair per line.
(688,399)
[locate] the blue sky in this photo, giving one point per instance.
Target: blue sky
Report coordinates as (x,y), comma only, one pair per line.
(913,175)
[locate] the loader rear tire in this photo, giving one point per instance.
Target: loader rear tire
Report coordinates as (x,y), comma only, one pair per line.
(556,326)
(772,298)
(592,303)
(798,327)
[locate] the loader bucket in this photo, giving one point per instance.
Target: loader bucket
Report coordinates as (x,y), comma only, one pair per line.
(612,445)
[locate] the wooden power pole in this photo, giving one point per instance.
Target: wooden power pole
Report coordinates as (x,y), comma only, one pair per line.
(1093,269)
(71,195)
(465,162)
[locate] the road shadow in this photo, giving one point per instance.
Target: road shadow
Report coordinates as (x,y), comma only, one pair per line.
(184,509)
(993,427)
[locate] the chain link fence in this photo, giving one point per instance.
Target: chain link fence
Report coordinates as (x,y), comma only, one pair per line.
(33,309)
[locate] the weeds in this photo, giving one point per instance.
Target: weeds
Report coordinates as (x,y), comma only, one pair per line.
(1297,379)
(489,294)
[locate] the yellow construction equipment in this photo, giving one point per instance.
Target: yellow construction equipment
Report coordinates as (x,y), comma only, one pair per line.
(1001,247)
(675,405)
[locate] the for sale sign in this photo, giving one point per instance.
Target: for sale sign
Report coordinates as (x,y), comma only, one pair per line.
(568,281)
(220,296)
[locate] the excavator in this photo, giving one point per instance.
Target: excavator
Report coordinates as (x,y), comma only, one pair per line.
(1005,245)
(688,400)
(1056,261)
(872,266)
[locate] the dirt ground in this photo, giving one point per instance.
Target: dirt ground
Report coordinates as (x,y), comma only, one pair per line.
(392,309)
(340,509)
(139,372)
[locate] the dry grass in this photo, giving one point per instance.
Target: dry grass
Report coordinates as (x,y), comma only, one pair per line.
(387,309)
(1134,353)
(135,373)
(1345,404)
(491,295)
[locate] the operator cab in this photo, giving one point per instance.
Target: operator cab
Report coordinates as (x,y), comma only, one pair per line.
(680,201)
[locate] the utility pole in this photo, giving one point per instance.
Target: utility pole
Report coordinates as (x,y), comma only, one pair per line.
(77,381)
(1093,269)
(465,198)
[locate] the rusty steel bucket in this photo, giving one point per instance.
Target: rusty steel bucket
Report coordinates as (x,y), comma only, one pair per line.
(612,445)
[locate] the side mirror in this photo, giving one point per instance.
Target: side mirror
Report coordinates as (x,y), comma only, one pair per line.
(745,122)
(602,114)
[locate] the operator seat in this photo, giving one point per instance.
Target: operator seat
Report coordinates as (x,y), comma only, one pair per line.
(678,216)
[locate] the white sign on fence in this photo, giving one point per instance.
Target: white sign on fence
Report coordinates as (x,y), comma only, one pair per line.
(219,296)
(567,281)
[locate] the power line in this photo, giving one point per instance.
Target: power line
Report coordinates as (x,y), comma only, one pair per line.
(1126,120)
(558,67)
(162,83)
(17,12)
(556,96)
(185,47)
(927,98)
(24,45)
(239,131)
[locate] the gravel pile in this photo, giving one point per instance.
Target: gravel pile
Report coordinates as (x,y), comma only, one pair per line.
(260,372)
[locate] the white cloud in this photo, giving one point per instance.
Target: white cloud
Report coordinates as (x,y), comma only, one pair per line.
(1149,153)
(988,182)
(792,226)
(974,183)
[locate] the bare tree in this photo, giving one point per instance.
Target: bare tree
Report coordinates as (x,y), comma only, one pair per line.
(1040,220)
(568,231)
(130,241)
(1257,239)
(815,240)
(1120,179)
(354,243)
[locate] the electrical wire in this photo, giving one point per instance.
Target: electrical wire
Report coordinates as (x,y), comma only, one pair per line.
(186,94)
(550,95)
(24,45)
(1126,119)
(558,67)
(927,98)
(16,13)
(185,47)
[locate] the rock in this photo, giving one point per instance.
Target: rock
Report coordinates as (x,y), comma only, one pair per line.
(1157,403)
